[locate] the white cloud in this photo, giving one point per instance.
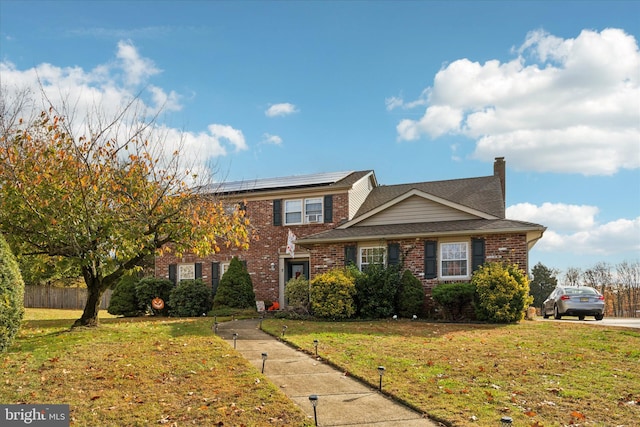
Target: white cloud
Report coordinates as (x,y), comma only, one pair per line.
(279,110)
(559,106)
(574,229)
(109,87)
(267,138)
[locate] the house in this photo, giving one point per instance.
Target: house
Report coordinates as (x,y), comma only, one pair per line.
(440,230)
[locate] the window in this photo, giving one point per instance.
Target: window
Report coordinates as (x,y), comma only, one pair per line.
(372,255)
(454,260)
(186,272)
(303,211)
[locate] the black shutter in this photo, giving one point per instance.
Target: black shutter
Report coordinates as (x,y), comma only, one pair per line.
(350,255)
(328,208)
(393,254)
(198,270)
(277,212)
(215,277)
(173,273)
(477,253)
(430,259)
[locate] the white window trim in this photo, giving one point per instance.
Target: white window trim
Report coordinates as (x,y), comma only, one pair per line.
(441,260)
(303,214)
(362,248)
(180,272)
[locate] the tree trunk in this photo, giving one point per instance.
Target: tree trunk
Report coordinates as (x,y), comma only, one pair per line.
(95,289)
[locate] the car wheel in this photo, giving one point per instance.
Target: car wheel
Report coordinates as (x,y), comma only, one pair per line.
(545,315)
(599,316)
(556,313)
(580,317)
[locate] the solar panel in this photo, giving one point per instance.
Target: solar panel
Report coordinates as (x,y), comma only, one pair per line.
(282,182)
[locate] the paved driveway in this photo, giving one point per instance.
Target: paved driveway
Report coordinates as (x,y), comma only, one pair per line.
(607,321)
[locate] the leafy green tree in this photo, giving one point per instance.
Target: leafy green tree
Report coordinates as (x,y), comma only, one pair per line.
(410,295)
(236,288)
(104,198)
(11,296)
(502,292)
(543,283)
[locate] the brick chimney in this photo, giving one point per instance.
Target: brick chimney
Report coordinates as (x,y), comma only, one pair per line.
(499,171)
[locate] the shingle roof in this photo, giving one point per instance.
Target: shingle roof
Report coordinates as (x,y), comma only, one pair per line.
(483,194)
(422,229)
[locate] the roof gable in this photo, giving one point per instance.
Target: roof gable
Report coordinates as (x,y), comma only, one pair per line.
(481,196)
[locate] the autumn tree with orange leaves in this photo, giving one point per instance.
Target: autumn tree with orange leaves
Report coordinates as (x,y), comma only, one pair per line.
(104,200)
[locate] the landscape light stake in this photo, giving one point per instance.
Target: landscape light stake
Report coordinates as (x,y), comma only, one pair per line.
(506,422)
(235,338)
(215,328)
(381,373)
(284,329)
(314,402)
(264,359)
(315,345)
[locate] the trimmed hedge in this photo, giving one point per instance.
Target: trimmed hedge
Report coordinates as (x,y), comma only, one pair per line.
(411,295)
(124,301)
(11,296)
(296,292)
(455,299)
(149,288)
(331,295)
(190,298)
(376,292)
(502,292)
(235,289)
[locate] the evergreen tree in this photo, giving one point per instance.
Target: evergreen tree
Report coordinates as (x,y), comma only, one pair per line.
(11,296)
(235,289)
(543,283)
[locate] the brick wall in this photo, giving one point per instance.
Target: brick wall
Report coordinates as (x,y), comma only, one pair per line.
(264,250)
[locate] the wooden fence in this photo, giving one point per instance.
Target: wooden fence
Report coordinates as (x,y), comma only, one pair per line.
(70,298)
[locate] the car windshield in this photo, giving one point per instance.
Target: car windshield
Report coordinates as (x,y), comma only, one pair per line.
(581,291)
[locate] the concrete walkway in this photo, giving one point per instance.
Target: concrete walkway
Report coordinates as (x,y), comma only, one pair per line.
(342,401)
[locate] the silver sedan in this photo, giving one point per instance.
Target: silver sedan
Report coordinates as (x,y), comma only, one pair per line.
(578,301)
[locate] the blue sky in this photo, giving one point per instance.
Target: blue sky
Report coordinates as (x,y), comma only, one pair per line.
(416,91)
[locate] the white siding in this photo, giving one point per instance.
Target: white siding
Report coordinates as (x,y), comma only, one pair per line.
(416,209)
(358,193)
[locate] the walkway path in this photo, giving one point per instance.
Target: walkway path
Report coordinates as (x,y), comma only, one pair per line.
(342,401)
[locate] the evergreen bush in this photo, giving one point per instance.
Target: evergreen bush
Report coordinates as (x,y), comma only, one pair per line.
(455,299)
(149,288)
(331,294)
(235,289)
(410,299)
(376,291)
(11,296)
(502,292)
(296,292)
(124,301)
(190,298)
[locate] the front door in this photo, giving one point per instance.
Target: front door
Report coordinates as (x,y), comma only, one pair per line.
(296,269)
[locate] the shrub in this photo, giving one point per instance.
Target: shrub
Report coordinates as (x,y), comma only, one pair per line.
(331,294)
(124,301)
(455,299)
(297,293)
(502,292)
(149,288)
(376,291)
(11,296)
(410,299)
(235,289)
(190,298)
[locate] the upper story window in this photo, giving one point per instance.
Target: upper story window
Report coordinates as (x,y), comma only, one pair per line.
(454,259)
(372,255)
(303,211)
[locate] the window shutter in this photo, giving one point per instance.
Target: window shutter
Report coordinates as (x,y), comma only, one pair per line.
(243,207)
(328,209)
(430,259)
(277,212)
(350,255)
(198,270)
(173,273)
(244,263)
(477,253)
(215,277)
(393,254)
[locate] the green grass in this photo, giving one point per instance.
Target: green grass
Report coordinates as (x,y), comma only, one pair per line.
(139,372)
(538,373)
